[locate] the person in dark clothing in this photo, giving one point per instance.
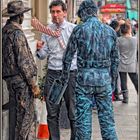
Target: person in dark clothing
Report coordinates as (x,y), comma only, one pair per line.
(54,50)
(116,26)
(19,71)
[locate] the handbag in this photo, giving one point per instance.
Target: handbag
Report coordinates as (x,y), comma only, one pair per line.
(56,91)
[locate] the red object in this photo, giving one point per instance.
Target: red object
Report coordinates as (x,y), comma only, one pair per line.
(113,96)
(113,5)
(113,8)
(43,131)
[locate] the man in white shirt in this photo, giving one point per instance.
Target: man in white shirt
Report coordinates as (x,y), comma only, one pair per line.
(53,50)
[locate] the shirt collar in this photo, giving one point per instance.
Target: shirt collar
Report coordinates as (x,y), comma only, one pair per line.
(63,25)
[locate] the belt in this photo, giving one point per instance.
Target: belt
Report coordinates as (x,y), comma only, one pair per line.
(71,71)
(95,64)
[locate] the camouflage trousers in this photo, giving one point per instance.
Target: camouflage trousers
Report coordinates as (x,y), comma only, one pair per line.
(103,99)
(21,110)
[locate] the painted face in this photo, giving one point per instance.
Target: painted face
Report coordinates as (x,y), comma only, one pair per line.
(21,18)
(57,14)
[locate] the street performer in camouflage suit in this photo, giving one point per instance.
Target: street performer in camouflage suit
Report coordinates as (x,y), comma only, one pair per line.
(19,71)
(97,62)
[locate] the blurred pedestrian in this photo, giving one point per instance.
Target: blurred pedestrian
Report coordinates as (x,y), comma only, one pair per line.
(136,29)
(97,62)
(136,35)
(116,26)
(127,45)
(19,71)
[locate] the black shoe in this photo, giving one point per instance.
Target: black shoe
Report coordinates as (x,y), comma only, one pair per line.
(125,101)
(117,98)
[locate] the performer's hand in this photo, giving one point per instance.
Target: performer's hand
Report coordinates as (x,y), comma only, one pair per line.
(36,90)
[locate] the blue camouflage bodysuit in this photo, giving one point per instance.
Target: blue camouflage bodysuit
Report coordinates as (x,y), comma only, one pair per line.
(97,62)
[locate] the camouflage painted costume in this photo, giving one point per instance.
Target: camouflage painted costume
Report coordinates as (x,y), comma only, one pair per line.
(97,61)
(19,70)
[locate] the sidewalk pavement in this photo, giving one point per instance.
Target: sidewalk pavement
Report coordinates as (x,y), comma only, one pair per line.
(126,118)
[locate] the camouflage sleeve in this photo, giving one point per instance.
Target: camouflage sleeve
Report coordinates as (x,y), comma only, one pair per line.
(24,57)
(68,56)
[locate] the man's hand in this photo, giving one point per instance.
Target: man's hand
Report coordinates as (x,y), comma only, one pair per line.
(39,45)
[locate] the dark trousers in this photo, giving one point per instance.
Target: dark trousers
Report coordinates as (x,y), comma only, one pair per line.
(116,91)
(123,78)
(12,122)
(54,110)
(21,110)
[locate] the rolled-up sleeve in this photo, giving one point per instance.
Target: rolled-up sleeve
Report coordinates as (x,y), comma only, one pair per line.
(42,53)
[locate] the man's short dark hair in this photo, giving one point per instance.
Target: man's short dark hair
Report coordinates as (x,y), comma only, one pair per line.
(114,24)
(58,3)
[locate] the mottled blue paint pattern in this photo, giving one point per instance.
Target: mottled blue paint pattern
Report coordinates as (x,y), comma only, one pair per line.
(97,62)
